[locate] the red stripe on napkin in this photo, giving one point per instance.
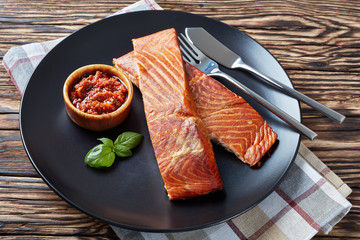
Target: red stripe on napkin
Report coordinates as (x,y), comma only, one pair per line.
(23,60)
(10,73)
(297,208)
(151,5)
(236,230)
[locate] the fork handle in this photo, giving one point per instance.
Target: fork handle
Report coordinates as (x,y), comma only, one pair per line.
(275,110)
(296,94)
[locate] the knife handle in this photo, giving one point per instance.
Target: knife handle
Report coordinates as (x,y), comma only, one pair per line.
(296,94)
(277,111)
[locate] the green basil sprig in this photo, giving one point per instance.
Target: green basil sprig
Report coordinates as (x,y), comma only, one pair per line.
(103,155)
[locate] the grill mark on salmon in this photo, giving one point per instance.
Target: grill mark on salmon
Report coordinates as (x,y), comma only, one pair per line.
(223,112)
(171,79)
(161,89)
(179,137)
(127,65)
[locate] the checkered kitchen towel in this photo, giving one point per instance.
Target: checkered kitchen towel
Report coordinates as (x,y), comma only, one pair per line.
(310,199)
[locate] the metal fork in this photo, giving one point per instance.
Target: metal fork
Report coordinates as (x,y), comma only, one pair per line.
(195,57)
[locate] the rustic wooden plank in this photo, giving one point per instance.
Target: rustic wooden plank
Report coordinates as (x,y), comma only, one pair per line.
(9,99)
(9,121)
(13,158)
(5,79)
(28,205)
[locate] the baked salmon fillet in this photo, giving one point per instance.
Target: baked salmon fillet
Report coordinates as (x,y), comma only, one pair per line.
(229,119)
(179,137)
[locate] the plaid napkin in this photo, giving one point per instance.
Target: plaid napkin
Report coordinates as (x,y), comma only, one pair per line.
(310,199)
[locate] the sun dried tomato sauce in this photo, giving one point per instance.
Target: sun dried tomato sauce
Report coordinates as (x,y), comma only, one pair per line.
(98,93)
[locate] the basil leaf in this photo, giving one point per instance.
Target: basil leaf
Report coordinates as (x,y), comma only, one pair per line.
(122,151)
(129,140)
(103,155)
(106,141)
(100,156)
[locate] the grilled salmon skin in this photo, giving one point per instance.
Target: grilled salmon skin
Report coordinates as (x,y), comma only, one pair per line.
(179,137)
(229,119)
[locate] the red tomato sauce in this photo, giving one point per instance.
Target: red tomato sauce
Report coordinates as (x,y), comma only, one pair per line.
(98,93)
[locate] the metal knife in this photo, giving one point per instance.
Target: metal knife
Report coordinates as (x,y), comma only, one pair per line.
(226,57)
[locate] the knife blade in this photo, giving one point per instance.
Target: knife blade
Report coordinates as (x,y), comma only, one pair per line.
(214,49)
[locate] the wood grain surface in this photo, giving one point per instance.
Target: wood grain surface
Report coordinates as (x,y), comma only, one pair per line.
(317,43)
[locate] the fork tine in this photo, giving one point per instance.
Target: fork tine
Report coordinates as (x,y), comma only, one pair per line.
(187,49)
(182,40)
(192,48)
(186,55)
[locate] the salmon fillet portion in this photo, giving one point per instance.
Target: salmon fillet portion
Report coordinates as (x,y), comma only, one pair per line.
(230,121)
(179,137)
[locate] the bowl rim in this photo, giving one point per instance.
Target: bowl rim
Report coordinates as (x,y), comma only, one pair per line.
(75,76)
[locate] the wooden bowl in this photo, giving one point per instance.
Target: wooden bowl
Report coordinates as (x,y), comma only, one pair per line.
(97,122)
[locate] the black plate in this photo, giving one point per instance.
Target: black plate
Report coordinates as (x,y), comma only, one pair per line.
(130,194)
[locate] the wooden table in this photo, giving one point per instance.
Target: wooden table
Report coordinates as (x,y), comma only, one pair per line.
(317,42)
